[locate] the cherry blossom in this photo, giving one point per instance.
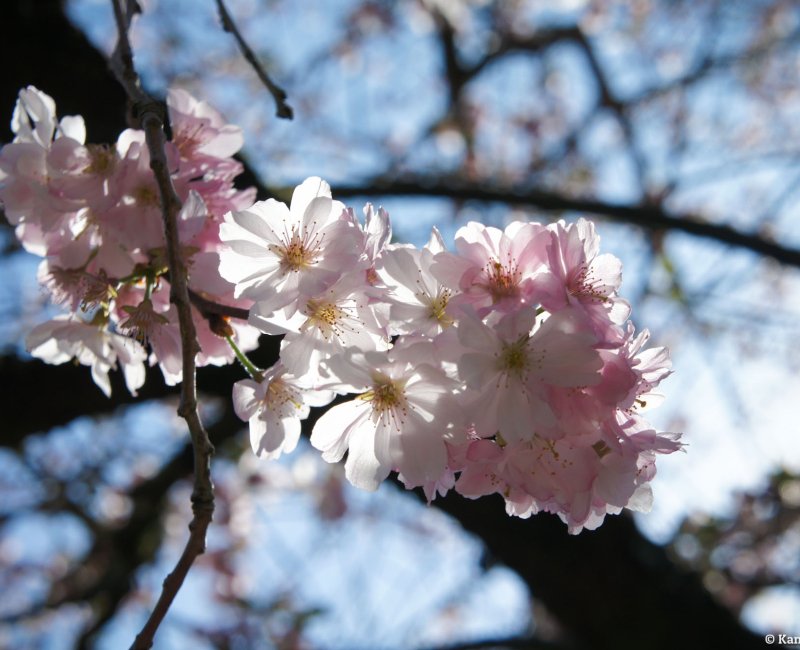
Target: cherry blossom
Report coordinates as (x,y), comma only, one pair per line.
(494,268)
(339,319)
(91,344)
(506,366)
(376,233)
(419,301)
(287,255)
(397,421)
(199,131)
(273,408)
(577,275)
(510,365)
(93,212)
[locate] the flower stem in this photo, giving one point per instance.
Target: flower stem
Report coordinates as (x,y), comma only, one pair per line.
(251,369)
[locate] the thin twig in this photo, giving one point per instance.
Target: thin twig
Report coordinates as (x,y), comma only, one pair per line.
(282,109)
(151,117)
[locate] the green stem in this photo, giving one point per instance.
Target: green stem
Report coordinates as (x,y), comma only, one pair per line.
(148,287)
(254,372)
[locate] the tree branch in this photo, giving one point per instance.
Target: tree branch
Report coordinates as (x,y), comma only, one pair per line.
(151,117)
(650,217)
(282,109)
(646,601)
(209,307)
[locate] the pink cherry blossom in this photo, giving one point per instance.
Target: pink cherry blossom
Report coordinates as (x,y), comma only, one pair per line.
(338,319)
(504,367)
(376,234)
(199,131)
(577,275)
(493,268)
(511,364)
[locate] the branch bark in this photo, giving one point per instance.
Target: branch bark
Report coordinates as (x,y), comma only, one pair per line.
(151,118)
(282,109)
(611,588)
(649,217)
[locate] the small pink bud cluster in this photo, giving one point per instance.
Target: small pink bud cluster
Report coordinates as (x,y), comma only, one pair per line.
(507,366)
(93,213)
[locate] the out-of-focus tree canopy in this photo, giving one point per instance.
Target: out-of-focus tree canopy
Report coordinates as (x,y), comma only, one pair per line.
(672,123)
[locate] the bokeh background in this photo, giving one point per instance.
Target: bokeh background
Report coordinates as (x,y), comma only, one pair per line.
(674,124)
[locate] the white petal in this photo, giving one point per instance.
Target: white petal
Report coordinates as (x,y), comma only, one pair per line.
(477,370)
(642,499)
(100,377)
(258,218)
(362,468)
(300,353)
(250,249)
(73,126)
(258,429)
(306,192)
(330,434)
(435,243)
(513,414)
(317,214)
(247,398)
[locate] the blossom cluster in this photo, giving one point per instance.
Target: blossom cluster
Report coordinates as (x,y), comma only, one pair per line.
(506,365)
(92,211)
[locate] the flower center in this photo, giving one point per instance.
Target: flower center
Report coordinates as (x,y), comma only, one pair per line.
(330,319)
(102,159)
(328,314)
(189,138)
(282,398)
(438,308)
(372,276)
(502,279)
(295,255)
(585,285)
(388,398)
(297,251)
(514,357)
(146,196)
(142,321)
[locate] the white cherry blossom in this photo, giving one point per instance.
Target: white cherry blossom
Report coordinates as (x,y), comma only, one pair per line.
(273,408)
(64,338)
(287,255)
(398,420)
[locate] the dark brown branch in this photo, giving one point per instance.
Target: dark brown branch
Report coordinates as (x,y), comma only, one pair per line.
(535,43)
(455,73)
(650,217)
(282,109)
(151,118)
(709,65)
(614,563)
(209,307)
(608,100)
